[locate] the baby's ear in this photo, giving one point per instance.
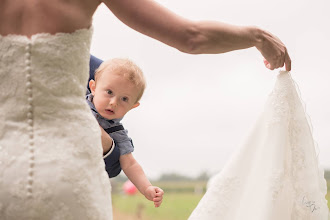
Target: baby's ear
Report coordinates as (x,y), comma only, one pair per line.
(92,86)
(136,105)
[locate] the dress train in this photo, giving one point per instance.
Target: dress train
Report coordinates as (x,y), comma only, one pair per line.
(275,175)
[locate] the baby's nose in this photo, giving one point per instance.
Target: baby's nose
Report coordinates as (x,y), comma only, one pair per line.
(113,101)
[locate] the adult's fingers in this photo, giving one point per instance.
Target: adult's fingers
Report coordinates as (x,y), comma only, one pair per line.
(287,62)
(274,52)
(282,60)
(268,65)
(279,59)
(279,62)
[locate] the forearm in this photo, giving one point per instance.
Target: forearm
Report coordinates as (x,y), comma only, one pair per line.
(106,141)
(156,21)
(134,172)
(203,37)
(137,176)
(212,37)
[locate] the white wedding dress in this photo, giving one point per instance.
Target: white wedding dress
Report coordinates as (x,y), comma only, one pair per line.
(51,165)
(275,174)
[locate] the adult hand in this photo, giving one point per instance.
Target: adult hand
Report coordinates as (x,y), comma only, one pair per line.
(274,52)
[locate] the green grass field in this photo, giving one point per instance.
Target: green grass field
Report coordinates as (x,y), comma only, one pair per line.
(174,207)
(328,195)
(179,201)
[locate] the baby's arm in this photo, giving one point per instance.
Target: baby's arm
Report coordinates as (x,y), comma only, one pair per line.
(136,175)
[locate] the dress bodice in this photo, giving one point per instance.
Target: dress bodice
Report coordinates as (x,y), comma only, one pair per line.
(51,164)
(49,67)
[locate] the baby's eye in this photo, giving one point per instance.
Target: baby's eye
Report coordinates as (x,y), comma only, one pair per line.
(125,99)
(109,92)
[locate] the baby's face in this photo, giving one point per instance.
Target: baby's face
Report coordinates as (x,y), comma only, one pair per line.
(113,95)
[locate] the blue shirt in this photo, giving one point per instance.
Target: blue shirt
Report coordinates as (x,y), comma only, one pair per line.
(123,143)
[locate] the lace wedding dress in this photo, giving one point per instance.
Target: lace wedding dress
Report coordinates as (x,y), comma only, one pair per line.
(275,175)
(51,164)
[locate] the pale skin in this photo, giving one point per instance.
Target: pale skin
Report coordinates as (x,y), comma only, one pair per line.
(114,96)
(28,17)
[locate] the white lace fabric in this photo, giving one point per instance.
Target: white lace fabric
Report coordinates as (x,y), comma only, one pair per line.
(51,164)
(275,174)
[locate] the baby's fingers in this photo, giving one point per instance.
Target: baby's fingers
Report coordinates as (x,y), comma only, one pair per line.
(158,201)
(159,192)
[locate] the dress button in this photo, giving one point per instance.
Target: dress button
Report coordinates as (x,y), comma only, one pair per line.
(31,143)
(28,76)
(31,166)
(29,115)
(30,108)
(29,188)
(30,180)
(30,122)
(30,100)
(29,92)
(27,62)
(31,149)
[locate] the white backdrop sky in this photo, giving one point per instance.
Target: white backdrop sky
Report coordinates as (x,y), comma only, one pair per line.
(197,109)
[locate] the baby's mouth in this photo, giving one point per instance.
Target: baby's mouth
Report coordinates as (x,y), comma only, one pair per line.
(109,111)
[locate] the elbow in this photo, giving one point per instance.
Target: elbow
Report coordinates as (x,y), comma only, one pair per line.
(193,41)
(191,46)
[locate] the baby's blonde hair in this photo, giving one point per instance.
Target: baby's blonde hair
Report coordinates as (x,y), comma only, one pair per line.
(127,69)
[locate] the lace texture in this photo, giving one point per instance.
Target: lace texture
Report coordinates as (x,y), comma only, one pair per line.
(51,164)
(275,174)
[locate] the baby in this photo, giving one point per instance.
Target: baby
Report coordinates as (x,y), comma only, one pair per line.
(118,87)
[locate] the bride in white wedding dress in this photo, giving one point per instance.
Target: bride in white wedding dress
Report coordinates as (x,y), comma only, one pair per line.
(51,164)
(275,174)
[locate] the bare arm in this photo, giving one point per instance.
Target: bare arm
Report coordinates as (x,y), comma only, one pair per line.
(197,37)
(136,175)
(106,141)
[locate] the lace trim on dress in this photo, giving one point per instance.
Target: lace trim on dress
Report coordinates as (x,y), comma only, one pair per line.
(24,39)
(287,103)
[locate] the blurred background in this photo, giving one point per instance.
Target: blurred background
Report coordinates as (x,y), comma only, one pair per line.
(198,109)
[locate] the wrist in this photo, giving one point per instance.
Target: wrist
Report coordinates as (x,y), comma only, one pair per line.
(145,189)
(257,36)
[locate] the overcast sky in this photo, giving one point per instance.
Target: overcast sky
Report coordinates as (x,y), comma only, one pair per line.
(198,109)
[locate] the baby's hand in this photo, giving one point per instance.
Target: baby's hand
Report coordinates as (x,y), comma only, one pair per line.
(155,194)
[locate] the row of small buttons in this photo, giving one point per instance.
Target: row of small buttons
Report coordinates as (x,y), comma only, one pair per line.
(30,120)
